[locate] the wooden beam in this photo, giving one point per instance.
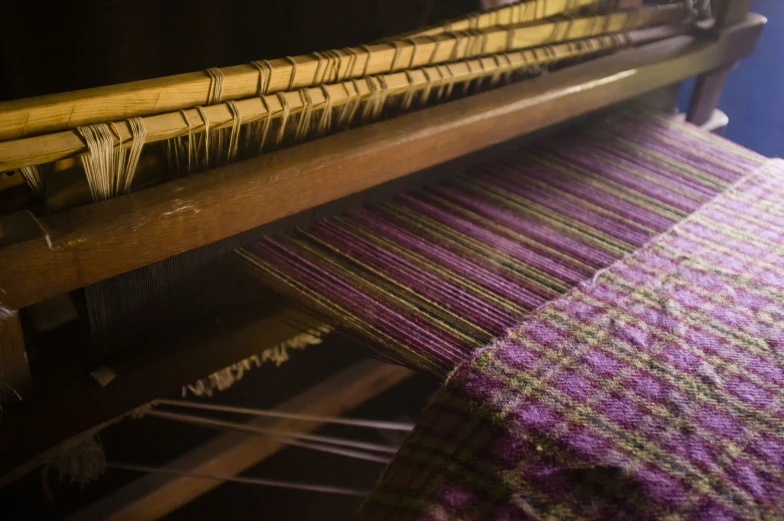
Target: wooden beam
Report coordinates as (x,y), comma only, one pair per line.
(10,179)
(46,148)
(71,402)
(706,95)
(14,370)
(56,112)
(58,253)
(156,495)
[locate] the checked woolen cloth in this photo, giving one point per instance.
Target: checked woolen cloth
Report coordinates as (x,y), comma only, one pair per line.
(653,391)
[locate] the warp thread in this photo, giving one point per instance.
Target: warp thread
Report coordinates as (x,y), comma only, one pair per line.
(34,178)
(434,275)
(110,168)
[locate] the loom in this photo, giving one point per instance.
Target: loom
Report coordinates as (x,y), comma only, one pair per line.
(124,205)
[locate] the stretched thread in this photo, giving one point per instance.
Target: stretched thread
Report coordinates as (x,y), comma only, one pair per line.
(272,433)
(34,178)
(110,169)
(354,422)
(326,489)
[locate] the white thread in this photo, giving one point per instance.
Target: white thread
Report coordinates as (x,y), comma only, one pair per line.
(234,135)
(265,76)
(32,175)
(234,479)
(303,125)
(325,123)
(264,123)
(249,411)
(215,90)
(272,433)
(110,169)
(284,119)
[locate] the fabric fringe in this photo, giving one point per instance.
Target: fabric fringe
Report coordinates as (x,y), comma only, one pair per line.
(79,460)
(228,376)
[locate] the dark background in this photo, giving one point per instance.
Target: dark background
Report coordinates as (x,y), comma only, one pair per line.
(54,46)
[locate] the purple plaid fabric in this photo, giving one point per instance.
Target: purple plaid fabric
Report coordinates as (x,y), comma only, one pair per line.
(655,391)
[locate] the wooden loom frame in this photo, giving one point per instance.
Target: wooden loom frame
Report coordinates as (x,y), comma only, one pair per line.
(43,257)
(31,116)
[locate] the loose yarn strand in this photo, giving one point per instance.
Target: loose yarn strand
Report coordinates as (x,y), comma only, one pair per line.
(234,136)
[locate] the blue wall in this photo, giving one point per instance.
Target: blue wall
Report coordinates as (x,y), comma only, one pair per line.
(753,97)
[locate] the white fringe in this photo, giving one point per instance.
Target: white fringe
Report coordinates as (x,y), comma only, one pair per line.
(81,459)
(228,376)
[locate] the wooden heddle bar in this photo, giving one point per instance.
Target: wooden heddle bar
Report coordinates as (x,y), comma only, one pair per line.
(55,112)
(439,78)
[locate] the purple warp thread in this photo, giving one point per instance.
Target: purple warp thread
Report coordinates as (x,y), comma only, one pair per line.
(436,274)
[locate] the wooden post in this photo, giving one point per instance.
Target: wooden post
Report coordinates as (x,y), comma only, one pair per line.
(730,12)
(707,90)
(706,95)
(14,371)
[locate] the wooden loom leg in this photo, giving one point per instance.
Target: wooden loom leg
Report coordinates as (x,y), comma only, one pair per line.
(14,370)
(706,95)
(707,90)
(156,495)
(731,12)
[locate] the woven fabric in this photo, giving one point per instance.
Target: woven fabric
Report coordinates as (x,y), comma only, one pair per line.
(655,391)
(435,275)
